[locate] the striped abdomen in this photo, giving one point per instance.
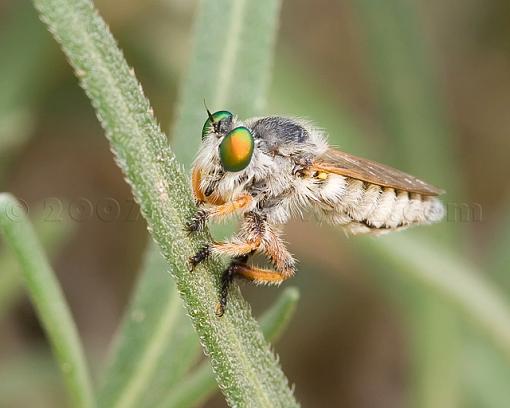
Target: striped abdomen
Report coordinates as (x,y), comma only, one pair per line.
(368,208)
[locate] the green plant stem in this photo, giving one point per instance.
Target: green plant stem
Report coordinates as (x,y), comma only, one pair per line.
(156,343)
(48,300)
(11,285)
(245,368)
(197,387)
(52,235)
(152,354)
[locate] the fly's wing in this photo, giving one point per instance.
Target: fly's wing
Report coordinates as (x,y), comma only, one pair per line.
(344,164)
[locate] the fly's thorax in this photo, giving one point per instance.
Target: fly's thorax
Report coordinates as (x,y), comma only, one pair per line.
(288,195)
(287,137)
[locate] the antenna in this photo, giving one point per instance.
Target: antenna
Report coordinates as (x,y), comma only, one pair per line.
(211,118)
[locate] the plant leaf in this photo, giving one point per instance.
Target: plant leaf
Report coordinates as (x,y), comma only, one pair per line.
(52,236)
(276,319)
(197,387)
(156,343)
(245,368)
(485,374)
(48,300)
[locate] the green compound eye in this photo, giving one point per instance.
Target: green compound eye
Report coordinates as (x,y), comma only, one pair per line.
(236,149)
(217,116)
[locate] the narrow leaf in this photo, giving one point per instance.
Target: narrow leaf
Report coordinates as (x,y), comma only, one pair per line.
(52,236)
(156,343)
(276,319)
(252,25)
(485,376)
(197,387)
(245,368)
(48,300)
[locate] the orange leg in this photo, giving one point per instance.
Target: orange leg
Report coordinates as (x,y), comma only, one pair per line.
(252,273)
(229,248)
(235,249)
(200,196)
(262,275)
(196,177)
(255,235)
(271,245)
(229,208)
(275,250)
(197,223)
(247,243)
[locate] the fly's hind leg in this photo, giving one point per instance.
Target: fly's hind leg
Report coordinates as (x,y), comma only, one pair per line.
(226,281)
(239,268)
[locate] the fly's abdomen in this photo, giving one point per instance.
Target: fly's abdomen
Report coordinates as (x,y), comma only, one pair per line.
(369,208)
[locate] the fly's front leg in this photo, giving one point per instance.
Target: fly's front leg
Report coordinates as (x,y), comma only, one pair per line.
(197,223)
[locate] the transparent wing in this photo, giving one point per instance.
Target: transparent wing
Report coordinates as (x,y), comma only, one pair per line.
(338,162)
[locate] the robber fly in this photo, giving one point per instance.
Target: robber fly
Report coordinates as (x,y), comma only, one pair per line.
(270,169)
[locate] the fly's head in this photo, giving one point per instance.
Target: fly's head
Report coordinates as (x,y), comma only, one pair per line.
(227,157)
(227,145)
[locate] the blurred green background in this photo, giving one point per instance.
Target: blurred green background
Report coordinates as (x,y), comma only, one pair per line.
(422,85)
